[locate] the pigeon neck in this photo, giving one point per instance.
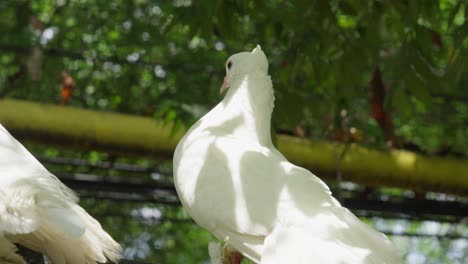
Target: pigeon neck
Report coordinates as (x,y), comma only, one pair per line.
(251,98)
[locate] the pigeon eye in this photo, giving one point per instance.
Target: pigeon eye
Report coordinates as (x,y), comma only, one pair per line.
(229,64)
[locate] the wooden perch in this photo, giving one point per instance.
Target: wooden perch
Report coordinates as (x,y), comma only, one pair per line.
(127,134)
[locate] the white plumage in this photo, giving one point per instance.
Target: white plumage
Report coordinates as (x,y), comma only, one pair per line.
(40,213)
(235,183)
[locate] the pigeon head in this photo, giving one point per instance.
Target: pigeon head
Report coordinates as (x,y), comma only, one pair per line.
(243,63)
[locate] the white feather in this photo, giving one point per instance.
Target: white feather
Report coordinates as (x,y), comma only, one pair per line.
(233,181)
(65,220)
(39,212)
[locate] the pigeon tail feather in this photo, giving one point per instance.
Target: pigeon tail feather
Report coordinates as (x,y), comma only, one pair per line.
(39,212)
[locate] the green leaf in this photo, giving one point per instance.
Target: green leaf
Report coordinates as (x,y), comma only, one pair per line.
(418,87)
(401,102)
(453,13)
(247,261)
(288,111)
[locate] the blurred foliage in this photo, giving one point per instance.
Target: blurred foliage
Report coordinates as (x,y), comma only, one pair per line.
(165,59)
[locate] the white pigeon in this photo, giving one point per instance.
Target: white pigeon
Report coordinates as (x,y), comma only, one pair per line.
(39,212)
(235,183)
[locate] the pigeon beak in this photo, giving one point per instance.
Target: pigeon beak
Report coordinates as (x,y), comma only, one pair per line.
(224,86)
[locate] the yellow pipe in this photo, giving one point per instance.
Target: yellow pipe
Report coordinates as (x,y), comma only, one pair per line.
(87,129)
